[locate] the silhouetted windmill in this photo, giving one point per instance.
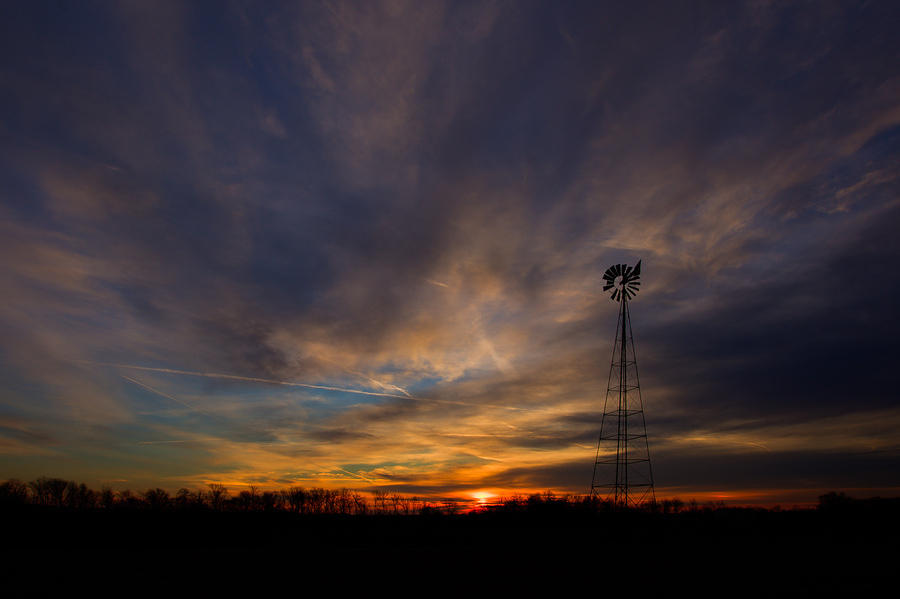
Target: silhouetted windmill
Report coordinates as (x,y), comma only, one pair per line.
(622,471)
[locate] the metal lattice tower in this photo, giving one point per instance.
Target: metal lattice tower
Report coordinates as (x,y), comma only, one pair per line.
(622,471)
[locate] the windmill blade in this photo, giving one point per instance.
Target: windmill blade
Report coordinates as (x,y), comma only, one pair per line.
(628,283)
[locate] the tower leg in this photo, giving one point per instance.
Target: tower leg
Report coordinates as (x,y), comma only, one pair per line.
(622,471)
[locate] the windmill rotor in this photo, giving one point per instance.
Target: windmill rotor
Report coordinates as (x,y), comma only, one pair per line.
(623,280)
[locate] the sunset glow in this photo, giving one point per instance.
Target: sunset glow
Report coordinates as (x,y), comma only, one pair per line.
(360,245)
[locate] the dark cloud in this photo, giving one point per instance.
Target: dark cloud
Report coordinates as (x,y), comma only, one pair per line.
(686,471)
(819,339)
(337,435)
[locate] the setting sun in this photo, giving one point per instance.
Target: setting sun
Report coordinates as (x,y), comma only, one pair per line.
(482,496)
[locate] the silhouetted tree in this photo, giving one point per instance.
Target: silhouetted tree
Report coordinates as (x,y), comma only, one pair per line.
(360,505)
(396,501)
(107,497)
(40,491)
(342,501)
(270,501)
(157,499)
(56,490)
(79,497)
(834,501)
(380,498)
(316,500)
(329,501)
(296,498)
(218,495)
(410,504)
(184,498)
(246,500)
(13,492)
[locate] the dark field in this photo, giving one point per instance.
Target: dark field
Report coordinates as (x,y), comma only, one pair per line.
(843,550)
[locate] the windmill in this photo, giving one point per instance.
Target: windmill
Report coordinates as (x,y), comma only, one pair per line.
(622,471)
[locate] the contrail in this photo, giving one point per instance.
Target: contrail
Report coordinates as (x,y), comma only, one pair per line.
(369,480)
(384,385)
(166,395)
(253,379)
(250,379)
(368,378)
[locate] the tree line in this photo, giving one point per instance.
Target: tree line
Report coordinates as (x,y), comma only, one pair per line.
(66,494)
(58,493)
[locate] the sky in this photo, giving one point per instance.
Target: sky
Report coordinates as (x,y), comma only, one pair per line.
(361,244)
